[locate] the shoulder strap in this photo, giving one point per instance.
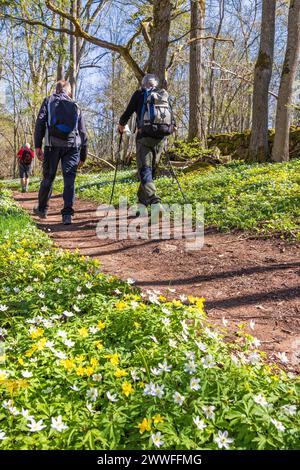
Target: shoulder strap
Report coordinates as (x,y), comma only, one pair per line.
(48,137)
(49,111)
(78,113)
(152,109)
(144,106)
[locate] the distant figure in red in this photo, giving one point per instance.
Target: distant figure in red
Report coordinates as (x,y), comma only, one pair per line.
(25,157)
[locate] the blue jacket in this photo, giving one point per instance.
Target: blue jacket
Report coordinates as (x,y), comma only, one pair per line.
(77,139)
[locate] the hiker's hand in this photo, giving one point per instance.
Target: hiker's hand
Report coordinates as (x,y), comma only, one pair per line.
(121,129)
(80,164)
(40,154)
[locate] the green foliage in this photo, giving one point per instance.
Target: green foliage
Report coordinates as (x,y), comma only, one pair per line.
(87,363)
(188,150)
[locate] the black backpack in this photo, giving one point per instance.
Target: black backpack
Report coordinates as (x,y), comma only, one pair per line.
(63,115)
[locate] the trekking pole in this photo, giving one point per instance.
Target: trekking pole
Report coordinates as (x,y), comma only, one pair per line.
(173,173)
(116,169)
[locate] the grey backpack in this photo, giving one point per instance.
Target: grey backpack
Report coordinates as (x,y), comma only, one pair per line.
(157,118)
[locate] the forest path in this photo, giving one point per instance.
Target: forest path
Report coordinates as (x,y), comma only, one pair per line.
(242,278)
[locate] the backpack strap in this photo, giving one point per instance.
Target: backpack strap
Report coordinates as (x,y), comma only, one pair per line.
(78,115)
(49,122)
(152,109)
(49,113)
(144,107)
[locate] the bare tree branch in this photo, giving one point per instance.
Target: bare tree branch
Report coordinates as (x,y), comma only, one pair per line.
(215,38)
(219,67)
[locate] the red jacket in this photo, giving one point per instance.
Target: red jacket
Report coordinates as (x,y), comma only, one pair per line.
(21,151)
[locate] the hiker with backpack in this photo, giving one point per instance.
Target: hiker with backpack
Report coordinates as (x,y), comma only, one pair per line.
(61,124)
(155,122)
(25,158)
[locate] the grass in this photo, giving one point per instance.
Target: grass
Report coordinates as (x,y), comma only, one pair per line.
(88,363)
(264,198)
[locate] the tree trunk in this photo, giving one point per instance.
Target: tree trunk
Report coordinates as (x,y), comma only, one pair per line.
(259,146)
(73,51)
(196,121)
(15,118)
(160,39)
(61,65)
(113,82)
(283,115)
(79,41)
(211,91)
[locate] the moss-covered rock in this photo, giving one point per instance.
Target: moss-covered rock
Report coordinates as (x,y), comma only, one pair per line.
(186,151)
(236,143)
(199,166)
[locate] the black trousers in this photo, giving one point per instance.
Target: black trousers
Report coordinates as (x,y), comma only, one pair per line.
(70,158)
(25,170)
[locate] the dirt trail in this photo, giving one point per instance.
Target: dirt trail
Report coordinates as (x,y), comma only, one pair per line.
(241,278)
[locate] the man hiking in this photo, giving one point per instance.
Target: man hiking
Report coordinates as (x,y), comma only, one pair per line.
(25,158)
(155,121)
(61,123)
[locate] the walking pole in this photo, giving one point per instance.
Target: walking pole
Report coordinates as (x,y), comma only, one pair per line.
(116,169)
(173,173)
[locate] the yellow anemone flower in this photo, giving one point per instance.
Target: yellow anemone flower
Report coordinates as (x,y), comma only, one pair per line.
(83,332)
(192,299)
(31,351)
(120,373)
(121,305)
(94,362)
(41,344)
(99,345)
(101,325)
(80,358)
(145,425)
(80,371)
(37,333)
(200,304)
(114,359)
(89,371)
(68,364)
(158,419)
(127,389)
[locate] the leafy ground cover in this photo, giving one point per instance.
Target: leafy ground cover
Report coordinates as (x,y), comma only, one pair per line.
(89,362)
(264,198)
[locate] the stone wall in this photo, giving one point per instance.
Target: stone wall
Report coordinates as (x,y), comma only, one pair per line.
(236,144)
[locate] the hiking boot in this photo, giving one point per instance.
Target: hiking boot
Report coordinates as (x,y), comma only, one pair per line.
(40,214)
(67,219)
